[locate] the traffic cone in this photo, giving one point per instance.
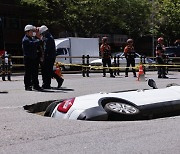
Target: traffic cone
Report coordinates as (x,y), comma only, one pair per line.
(141,75)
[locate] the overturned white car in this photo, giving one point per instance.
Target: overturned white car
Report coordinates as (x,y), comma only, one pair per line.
(122,105)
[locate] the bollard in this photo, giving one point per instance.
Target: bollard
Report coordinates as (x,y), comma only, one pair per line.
(141,59)
(167,61)
(144,62)
(3,68)
(83,64)
(87,68)
(118,64)
(9,67)
(115,65)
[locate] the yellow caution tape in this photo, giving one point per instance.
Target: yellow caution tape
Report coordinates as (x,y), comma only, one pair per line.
(119,67)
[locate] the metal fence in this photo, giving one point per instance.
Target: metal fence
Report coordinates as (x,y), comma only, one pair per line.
(171,63)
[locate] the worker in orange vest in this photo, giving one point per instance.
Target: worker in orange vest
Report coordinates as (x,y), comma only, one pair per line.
(130,57)
(105,52)
(160,58)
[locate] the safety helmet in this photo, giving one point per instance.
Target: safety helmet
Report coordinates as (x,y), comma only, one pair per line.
(160,39)
(104,39)
(29,27)
(129,41)
(42,29)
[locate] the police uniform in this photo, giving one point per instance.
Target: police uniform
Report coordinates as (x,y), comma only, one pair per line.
(130,59)
(31,62)
(49,59)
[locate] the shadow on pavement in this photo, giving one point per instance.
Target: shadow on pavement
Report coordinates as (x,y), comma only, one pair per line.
(55,90)
(3,92)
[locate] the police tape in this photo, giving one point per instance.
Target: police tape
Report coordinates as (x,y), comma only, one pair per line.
(118,67)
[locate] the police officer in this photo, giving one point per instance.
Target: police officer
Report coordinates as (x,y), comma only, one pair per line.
(49,56)
(130,57)
(105,51)
(29,46)
(160,58)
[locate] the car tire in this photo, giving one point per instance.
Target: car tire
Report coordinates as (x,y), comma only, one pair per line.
(50,109)
(121,111)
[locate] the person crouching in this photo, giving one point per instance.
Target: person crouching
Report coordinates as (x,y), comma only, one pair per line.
(57,74)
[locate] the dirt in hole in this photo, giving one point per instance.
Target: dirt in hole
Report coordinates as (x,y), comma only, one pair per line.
(38,108)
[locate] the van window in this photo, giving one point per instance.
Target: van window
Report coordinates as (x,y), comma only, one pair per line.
(61,51)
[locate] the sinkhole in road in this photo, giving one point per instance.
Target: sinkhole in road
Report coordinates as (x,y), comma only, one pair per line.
(39,108)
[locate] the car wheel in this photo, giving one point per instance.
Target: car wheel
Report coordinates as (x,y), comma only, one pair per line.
(50,109)
(121,108)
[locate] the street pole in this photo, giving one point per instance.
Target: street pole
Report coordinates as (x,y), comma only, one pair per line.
(153,28)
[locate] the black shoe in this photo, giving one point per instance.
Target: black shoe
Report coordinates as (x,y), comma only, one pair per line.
(46,87)
(112,76)
(9,78)
(38,88)
(3,78)
(126,75)
(28,88)
(165,77)
(159,76)
(104,75)
(60,84)
(135,76)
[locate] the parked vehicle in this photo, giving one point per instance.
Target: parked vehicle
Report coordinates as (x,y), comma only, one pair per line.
(172,51)
(173,56)
(121,105)
(75,47)
(122,60)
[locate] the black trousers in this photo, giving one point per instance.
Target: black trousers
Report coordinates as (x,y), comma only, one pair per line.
(161,69)
(130,61)
(31,72)
(47,71)
(107,61)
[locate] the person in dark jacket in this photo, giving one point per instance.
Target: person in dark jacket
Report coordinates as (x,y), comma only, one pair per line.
(105,52)
(29,46)
(49,56)
(130,57)
(160,58)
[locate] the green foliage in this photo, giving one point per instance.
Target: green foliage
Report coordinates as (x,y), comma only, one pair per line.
(132,17)
(167,19)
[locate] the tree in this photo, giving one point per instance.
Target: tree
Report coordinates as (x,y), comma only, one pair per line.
(137,17)
(167,19)
(87,17)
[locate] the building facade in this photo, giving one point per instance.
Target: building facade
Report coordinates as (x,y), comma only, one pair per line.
(13,19)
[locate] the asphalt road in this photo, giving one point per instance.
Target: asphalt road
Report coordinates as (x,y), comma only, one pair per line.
(27,133)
